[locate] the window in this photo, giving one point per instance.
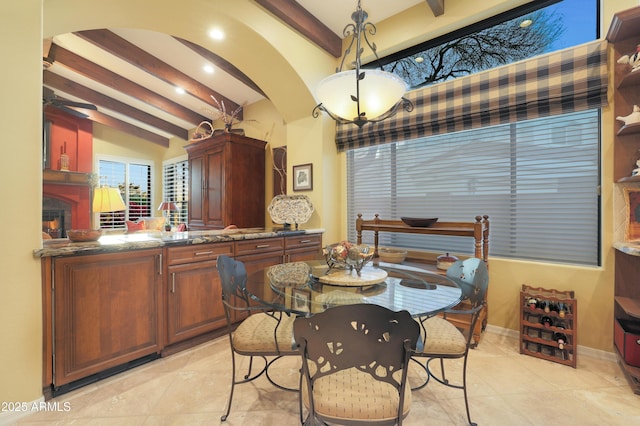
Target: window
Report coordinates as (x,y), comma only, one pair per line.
(175,187)
(134,180)
(536,179)
(529,30)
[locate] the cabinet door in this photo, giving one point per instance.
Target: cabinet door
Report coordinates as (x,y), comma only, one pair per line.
(107,311)
(194,300)
(215,188)
(196,191)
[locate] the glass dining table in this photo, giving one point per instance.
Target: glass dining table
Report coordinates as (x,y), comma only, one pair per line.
(305,288)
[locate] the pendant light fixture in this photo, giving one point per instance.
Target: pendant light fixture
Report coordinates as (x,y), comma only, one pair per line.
(361,96)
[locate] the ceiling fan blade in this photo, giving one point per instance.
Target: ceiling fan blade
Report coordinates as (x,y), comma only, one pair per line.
(65,102)
(69,110)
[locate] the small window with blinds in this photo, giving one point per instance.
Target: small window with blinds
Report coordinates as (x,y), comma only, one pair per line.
(175,188)
(537,180)
(133,178)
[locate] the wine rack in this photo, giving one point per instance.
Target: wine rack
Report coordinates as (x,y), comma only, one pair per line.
(548,321)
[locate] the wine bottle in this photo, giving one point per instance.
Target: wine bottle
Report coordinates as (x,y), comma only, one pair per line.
(533,302)
(561,339)
(545,306)
(563,309)
(546,321)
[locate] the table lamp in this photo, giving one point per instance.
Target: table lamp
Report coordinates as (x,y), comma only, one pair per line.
(168,207)
(105,199)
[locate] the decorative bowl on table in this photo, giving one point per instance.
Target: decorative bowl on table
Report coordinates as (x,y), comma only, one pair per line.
(392,255)
(84,235)
(419,222)
(346,255)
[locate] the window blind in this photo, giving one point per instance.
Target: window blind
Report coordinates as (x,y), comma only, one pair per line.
(133,179)
(536,179)
(175,188)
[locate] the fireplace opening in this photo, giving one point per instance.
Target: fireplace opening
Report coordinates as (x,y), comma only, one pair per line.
(56,217)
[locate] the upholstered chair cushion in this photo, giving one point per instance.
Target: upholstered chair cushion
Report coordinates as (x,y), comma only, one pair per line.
(335,397)
(255,335)
(443,338)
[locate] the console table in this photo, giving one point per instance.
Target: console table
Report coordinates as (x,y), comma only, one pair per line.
(478,230)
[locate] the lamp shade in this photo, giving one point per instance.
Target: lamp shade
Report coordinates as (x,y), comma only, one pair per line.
(106,199)
(168,206)
(379,92)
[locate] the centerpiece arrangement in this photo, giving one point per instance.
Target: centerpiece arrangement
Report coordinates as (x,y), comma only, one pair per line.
(346,255)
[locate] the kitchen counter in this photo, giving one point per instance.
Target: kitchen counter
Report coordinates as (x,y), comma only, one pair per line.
(143,240)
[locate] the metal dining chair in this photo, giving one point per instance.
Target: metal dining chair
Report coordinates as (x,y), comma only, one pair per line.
(263,333)
(354,365)
(442,340)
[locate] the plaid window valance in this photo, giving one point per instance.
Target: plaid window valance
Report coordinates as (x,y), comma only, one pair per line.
(565,81)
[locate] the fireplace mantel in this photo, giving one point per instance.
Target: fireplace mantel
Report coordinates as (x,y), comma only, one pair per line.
(57,177)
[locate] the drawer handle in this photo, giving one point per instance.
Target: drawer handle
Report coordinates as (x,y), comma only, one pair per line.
(304,241)
(263,245)
(204,253)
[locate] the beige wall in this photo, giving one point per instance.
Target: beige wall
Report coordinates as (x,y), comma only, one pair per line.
(295,66)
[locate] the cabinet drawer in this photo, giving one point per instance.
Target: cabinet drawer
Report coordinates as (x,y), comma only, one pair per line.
(261,245)
(197,253)
(300,241)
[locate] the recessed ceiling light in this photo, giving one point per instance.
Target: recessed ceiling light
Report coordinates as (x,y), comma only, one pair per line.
(216,34)
(526,23)
(180,90)
(208,69)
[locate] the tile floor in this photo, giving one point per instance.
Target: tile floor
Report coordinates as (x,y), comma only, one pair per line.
(506,388)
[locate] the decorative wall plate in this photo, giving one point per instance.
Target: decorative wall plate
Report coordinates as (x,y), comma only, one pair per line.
(290,209)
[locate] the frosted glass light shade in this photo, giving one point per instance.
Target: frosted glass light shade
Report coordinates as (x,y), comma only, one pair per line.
(107,199)
(379,92)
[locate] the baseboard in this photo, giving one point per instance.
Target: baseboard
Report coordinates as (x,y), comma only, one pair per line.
(581,350)
(20,410)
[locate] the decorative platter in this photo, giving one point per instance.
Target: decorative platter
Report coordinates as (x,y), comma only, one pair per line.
(294,274)
(419,222)
(290,209)
(349,278)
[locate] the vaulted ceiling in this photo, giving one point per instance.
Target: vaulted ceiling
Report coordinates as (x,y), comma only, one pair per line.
(131,75)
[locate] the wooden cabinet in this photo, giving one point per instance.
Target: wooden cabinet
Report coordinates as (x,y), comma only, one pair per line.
(478,230)
(624,34)
(259,253)
(103,313)
(106,312)
(193,290)
(302,247)
(226,182)
(548,324)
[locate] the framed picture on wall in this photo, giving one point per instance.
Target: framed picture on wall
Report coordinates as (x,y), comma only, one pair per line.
(303,177)
(632,200)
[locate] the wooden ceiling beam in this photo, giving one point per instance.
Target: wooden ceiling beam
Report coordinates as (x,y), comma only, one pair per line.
(222,64)
(125,127)
(298,18)
(108,78)
(437,6)
(74,89)
(129,52)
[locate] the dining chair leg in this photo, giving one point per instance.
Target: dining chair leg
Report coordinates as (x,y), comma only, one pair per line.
(223,418)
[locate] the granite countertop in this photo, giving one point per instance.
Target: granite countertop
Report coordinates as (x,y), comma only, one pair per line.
(142,240)
(632,248)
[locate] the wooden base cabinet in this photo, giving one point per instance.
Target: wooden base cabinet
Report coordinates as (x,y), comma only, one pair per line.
(193,290)
(107,311)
